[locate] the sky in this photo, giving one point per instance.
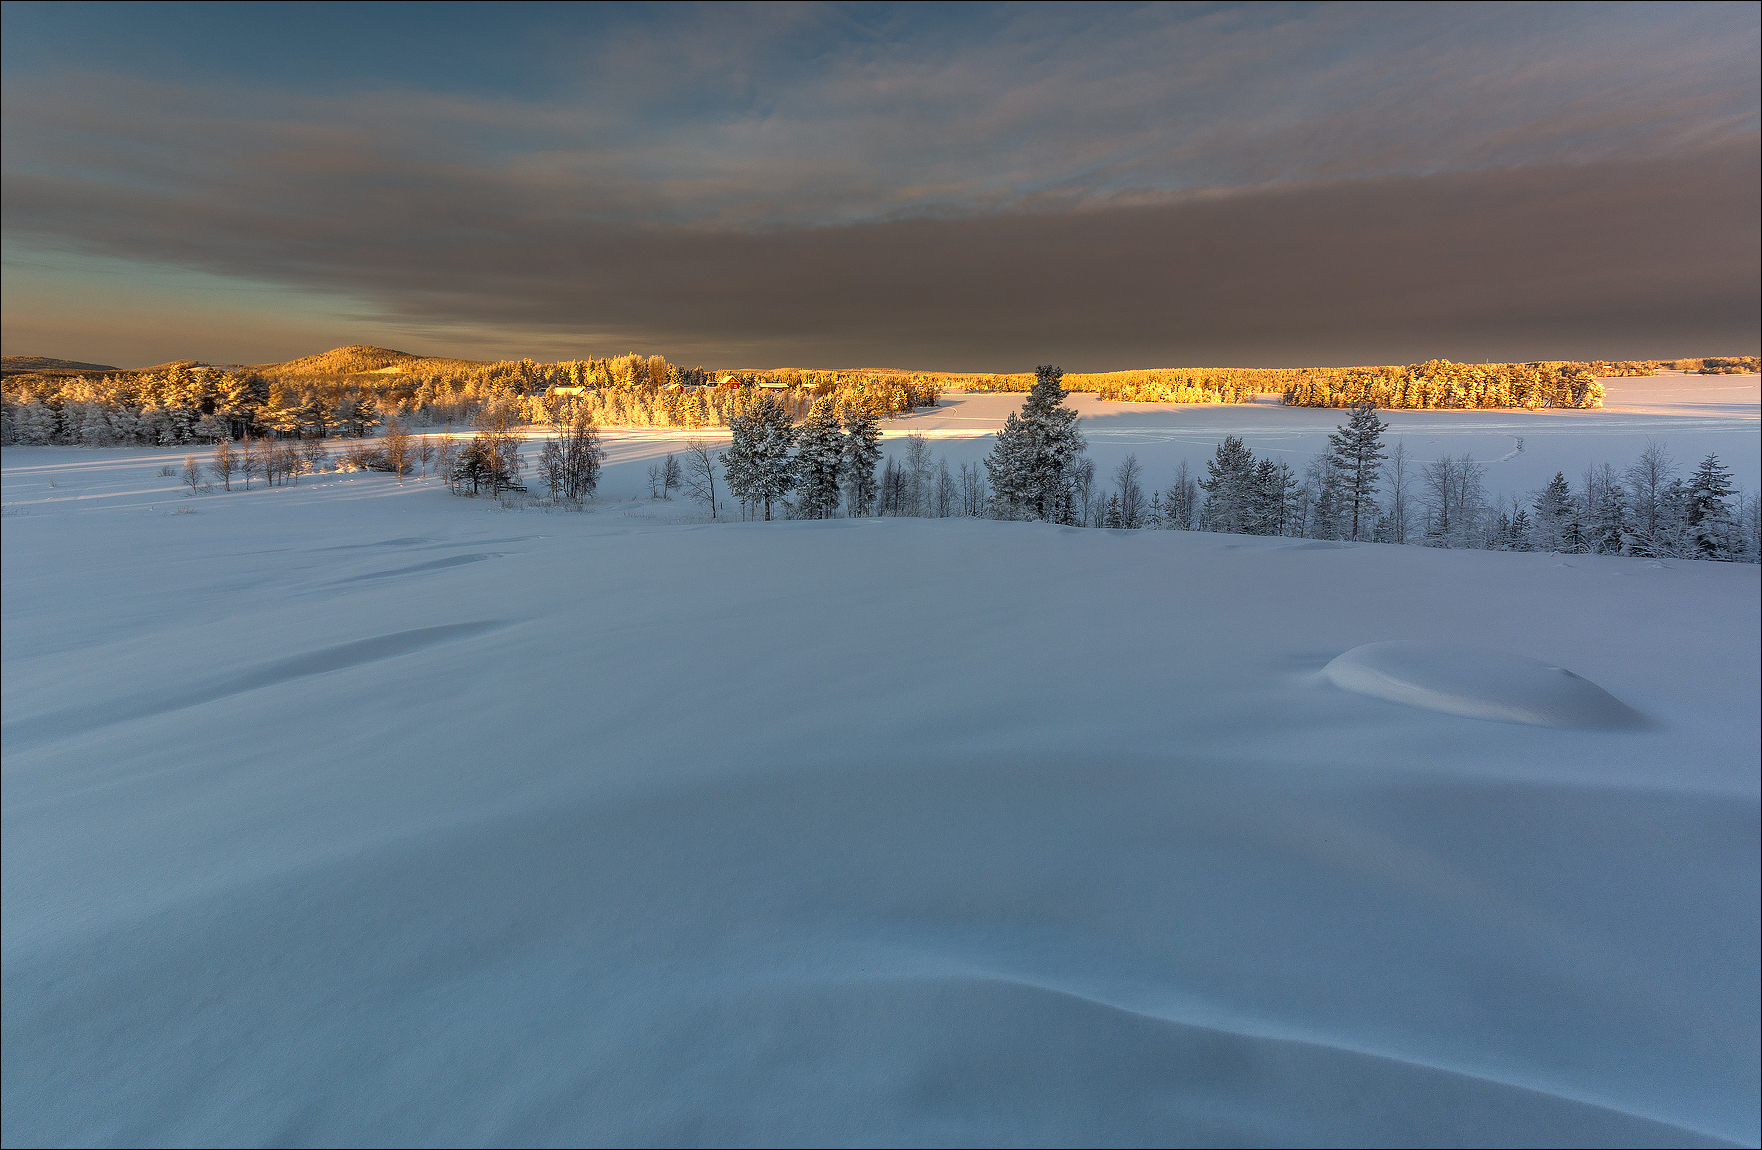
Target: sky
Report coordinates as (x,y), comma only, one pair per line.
(964,188)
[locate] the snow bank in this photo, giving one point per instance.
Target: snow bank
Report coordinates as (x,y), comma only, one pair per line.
(1480,684)
(352,813)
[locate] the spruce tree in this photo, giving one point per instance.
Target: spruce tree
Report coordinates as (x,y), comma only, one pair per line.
(1030,467)
(1553,506)
(1355,451)
(1229,487)
(819,459)
(862,450)
(758,466)
(1713,526)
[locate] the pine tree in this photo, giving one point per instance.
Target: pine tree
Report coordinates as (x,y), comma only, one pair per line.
(1355,451)
(1030,466)
(819,461)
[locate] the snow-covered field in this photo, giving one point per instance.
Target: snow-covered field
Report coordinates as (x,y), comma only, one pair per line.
(358,813)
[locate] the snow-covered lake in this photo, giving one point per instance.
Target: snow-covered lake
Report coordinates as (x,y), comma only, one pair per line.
(1691,415)
(352,812)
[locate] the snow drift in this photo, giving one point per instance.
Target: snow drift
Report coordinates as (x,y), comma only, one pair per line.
(1480,684)
(348,813)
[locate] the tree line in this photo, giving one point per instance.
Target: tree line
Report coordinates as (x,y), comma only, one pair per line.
(192,403)
(346,393)
(1358,491)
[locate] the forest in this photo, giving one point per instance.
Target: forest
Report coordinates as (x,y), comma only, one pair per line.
(350,390)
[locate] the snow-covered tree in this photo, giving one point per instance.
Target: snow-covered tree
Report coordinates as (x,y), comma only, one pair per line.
(1274,502)
(1712,523)
(819,461)
(758,466)
(862,451)
(1180,502)
(1229,487)
(1355,451)
(36,424)
(1553,507)
(1648,477)
(1030,466)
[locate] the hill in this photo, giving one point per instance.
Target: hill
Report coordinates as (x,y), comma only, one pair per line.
(44,365)
(363,359)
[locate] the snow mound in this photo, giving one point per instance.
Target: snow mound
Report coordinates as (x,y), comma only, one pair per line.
(1480,684)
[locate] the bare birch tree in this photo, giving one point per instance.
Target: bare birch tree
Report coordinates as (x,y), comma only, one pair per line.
(700,474)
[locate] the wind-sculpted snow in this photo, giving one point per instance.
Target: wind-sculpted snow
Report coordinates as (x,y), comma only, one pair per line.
(863,831)
(1480,684)
(93,716)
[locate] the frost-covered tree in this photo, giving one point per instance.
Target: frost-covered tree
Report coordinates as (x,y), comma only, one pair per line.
(946,492)
(758,466)
(862,451)
(819,460)
(1711,522)
(36,424)
(1355,452)
(211,428)
(919,472)
(1030,466)
(1180,502)
(1274,501)
(1648,478)
(1229,487)
(1130,492)
(192,474)
(1553,507)
(1454,500)
(1519,532)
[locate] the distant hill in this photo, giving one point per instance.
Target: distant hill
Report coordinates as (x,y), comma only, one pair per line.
(355,359)
(363,359)
(43,365)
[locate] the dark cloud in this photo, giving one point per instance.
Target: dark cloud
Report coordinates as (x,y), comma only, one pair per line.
(1610,259)
(1110,185)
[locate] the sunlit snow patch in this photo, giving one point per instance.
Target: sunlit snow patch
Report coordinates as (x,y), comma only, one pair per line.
(1480,684)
